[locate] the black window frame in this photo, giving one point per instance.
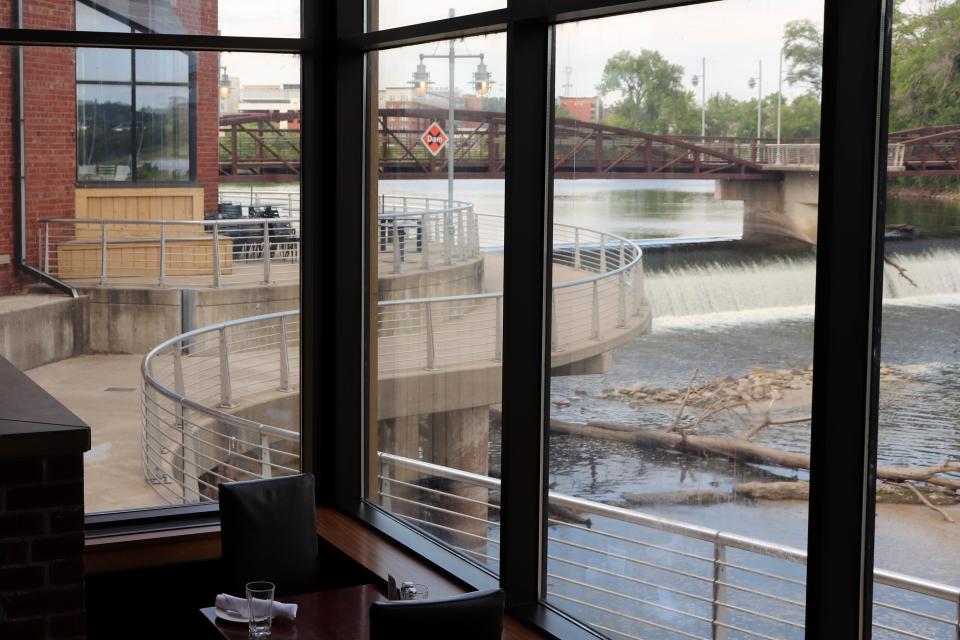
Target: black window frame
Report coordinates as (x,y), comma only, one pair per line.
(154,519)
(135,126)
(848,297)
(336,319)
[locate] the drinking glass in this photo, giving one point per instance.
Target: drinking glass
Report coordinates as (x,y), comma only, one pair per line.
(413,591)
(260,605)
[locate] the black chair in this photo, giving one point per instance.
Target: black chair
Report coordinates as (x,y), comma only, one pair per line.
(268,532)
(472,616)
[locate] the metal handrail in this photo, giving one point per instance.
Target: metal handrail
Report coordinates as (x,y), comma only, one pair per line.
(223,416)
(224,244)
(721,541)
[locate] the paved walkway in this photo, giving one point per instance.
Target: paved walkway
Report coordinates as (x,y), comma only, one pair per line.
(104,391)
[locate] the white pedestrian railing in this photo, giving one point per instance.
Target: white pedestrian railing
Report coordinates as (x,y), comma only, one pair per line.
(633,575)
(598,291)
(287,202)
(212,253)
(192,437)
(419,234)
(808,155)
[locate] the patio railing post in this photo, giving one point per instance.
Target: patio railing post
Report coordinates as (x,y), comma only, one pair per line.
(161,279)
(226,389)
(498,340)
(266,251)
(719,590)
(431,345)
(284,357)
(554,324)
(103,253)
(595,320)
(266,467)
(216,255)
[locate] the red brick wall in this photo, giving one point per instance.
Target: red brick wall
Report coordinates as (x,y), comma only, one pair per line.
(200,17)
(50,101)
(41,547)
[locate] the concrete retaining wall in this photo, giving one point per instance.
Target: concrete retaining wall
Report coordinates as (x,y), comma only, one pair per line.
(137,320)
(40,329)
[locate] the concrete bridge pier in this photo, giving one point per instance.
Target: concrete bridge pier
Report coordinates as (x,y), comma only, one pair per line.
(458,439)
(784,208)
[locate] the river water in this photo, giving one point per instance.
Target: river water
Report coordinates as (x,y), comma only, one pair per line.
(726,309)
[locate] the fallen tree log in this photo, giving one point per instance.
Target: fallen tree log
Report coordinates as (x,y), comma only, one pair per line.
(887,493)
(741,450)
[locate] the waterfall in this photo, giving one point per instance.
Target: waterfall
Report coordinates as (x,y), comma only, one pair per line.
(784,287)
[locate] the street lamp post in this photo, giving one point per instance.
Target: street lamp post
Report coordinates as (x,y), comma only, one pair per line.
(481,84)
(703,96)
(758,82)
(779,101)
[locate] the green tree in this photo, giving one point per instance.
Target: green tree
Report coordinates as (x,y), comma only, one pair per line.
(803,54)
(652,95)
(925,74)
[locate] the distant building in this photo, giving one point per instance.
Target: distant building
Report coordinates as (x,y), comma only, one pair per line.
(584,109)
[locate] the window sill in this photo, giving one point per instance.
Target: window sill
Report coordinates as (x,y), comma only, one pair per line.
(365,536)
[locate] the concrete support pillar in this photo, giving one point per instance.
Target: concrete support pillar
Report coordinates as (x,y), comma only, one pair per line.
(456,439)
(780,209)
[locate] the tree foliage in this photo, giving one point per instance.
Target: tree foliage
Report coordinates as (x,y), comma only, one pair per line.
(803,55)
(652,96)
(925,74)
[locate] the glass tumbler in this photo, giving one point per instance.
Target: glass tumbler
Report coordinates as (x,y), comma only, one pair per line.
(260,605)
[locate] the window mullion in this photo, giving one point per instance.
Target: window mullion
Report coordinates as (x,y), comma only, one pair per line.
(846,329)
(527,279)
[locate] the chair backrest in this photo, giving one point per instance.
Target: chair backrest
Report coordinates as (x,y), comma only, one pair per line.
(268,532)
(471,616)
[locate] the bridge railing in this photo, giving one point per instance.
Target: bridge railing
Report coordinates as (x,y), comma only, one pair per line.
(214,253)
(808,155)
(630,574)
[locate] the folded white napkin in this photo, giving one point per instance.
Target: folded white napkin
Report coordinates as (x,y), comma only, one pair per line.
(281,610)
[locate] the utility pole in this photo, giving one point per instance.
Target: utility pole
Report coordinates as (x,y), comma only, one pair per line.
(759,96)
(779,101)
(703,99)
(451,125)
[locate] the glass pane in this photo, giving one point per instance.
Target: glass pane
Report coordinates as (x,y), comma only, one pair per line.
(438,258)
(919,419)
(161,207)
(685,210)
(104,65)
(387,14)
(162,66)
(163,144)
(104,121)
(279,18)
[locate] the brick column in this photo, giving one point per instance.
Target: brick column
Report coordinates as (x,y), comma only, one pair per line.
(41,512)
(41,547)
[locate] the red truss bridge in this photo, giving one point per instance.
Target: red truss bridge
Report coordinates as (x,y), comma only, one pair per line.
(266,147)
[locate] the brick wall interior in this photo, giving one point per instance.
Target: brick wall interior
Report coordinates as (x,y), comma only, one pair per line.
(41,547)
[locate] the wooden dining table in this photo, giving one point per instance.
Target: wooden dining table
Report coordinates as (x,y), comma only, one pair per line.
(341,614)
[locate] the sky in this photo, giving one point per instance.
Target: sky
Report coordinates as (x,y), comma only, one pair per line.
(733,36)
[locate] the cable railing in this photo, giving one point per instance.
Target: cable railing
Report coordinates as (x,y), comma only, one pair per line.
(630,574)
(214,253)
(420,234)
(598,292)
(192,435)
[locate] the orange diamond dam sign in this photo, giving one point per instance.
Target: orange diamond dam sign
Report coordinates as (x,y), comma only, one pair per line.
(434,138)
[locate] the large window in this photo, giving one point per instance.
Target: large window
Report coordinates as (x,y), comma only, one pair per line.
(136,109)
(439,280)
(689,274)
(161,177)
